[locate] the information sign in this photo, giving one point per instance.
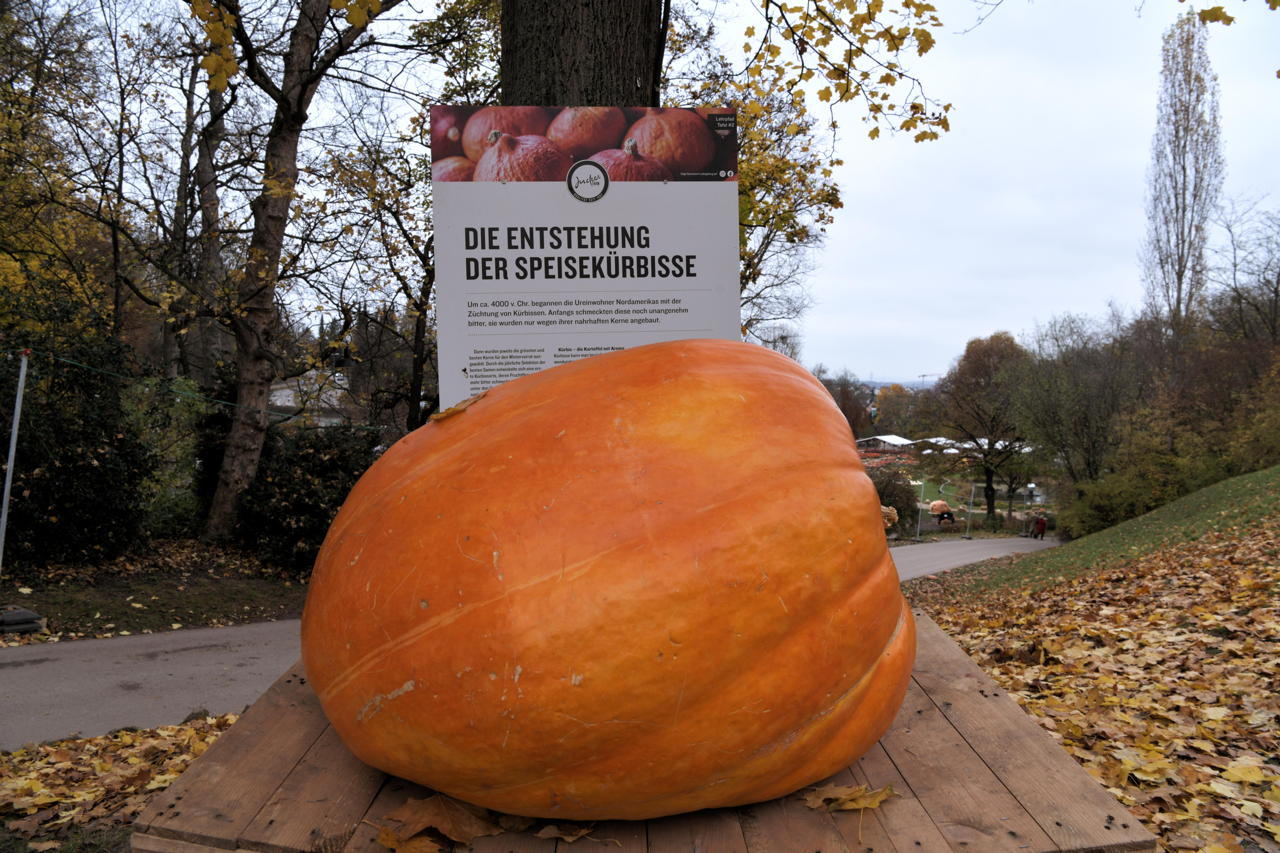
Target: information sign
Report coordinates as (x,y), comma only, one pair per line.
(564,233)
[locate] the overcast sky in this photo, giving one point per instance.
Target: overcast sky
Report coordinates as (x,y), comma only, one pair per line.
(1033,205)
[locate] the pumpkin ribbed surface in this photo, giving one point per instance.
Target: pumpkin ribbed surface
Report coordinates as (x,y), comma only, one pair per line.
(644,583)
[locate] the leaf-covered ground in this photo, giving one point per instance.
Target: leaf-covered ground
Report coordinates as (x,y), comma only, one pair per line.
(1161,675)
(167,586)
(59,791)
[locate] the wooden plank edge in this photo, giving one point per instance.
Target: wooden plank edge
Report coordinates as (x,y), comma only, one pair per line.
(1056,761)
(243,729)
(141,842)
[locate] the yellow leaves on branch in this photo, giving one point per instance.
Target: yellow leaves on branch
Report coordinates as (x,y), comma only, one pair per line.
(219,32)
(219,61)
(1215,15)
(855,45)
(358,12)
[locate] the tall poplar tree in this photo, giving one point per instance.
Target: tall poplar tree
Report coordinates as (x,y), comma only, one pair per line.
(1185,176)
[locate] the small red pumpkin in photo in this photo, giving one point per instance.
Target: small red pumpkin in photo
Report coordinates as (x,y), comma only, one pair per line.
(678,138)
(582,131)
(627,164)
(516,121)
(521,158)
(452,169)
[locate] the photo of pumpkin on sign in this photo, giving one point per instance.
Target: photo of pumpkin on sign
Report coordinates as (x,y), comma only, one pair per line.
(542,143)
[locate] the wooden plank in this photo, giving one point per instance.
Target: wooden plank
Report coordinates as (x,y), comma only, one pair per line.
(222,792)
(318,804)
(393,794)
(710,831)
(142,843)
(616,836)
(1072,808)
(514,842)
(903,818)
(966,801)
(787,825)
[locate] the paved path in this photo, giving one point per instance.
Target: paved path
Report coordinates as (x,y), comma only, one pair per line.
(54,690)
(929,558)
(90,687)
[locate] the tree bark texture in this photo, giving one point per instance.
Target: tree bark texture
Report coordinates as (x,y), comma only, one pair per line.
(582,53)
(256,325)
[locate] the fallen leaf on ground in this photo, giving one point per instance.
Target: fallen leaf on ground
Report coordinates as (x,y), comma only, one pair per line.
(419,844)
(835,798)
(445,815)
(569,832)
(1158,675)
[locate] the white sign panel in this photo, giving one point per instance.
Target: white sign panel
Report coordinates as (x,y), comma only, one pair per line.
(600,253)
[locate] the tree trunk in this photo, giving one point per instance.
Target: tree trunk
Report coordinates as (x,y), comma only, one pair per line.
(422,352)
(989,494)
(255,327)
(211,344)
(255,332)
(583,54)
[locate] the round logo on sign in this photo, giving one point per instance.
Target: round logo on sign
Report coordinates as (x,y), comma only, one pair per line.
(587,180)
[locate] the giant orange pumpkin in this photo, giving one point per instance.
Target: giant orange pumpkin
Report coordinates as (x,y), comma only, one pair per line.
(643,583)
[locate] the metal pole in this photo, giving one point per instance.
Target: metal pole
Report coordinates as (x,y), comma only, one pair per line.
(968,516)
(13,449)
(919,514)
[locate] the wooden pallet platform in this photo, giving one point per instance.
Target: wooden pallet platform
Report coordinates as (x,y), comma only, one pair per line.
(974,772)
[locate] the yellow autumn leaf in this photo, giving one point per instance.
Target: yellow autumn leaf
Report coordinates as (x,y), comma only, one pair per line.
(1216,14)
(847,797)
(824,94)
(357,15)
(1240,772)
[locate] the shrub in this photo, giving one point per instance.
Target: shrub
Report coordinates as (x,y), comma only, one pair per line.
(1160,459)
(167,414)
(78,477)
(304,476)
(1255,441)
(895,490)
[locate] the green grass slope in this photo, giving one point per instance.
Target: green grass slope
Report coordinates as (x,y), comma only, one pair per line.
(1240,502)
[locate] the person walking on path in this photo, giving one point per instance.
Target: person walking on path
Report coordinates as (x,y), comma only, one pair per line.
(1039,526)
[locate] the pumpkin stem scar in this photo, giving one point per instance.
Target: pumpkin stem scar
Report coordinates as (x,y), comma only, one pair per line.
(453,410)
(374,705)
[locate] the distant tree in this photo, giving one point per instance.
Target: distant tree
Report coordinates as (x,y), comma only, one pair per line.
(1185,176)
(897,412)
(975,406)
(1068,395)
(1244,305)
(853,397)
